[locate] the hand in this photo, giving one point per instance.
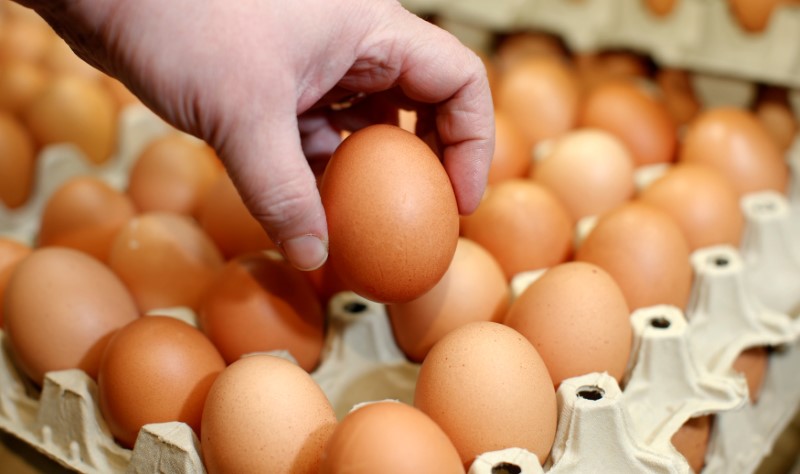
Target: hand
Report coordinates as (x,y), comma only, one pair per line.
(254,79)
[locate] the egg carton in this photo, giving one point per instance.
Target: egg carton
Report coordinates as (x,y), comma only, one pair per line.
(698,35)
(58,163)
(677,372)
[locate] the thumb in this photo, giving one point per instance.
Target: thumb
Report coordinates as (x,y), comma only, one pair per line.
(268,167)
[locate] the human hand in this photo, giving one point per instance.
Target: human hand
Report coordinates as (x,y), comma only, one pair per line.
(255,78)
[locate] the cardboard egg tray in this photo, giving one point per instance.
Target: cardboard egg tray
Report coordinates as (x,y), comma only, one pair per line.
(698,35)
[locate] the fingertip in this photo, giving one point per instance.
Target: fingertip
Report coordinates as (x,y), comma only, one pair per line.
(306,252)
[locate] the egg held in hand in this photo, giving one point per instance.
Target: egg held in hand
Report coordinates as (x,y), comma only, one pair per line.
(392,214)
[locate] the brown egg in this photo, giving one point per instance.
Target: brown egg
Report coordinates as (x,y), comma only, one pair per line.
(753,363)
(702,201)
(644,250)
(86,214)
(678,95)
(165,260)
(326,282)
(60,59)
(259,303)
(224,217)
(173,173)
(512,154)
(154,370)
(75,110)
(519,47)
(265,414)
(17,162)
(754,15)
(775,112)
(596,68)
(541,95)
(391,438)
(589,170)
(661,7)
(26,37)
(61,308)
(691,440)
(734,142)
(641,121)
(12,253)
(576,317)
(523,225)
(21,82)
(392,214)
(473,289)
(486,386)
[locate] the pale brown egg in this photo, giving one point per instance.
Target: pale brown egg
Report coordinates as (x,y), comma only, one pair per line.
(590,171)
(17,162)
(644,250)
(85,213)
(259,303)
(12,252)
(173,173)
(521,46)
(265,414)
(753,364)
(754,15)
(661,7)
(75,110)
(20,82)
(775,112)
(392,214)
(523,225)
(576,317)
(702,201)
(165,260)
(61,308)
(486,386)
(733,141)
(224,217)
(25,36)
(641,121)
(474,288)
(541,95)
(512,153)
(60,59)
(155,370)
(391,438)
(678,94)
(692,439)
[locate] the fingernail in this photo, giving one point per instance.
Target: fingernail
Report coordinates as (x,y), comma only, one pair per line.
(306,252)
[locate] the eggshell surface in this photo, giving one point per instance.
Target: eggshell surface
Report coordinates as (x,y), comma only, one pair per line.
(265,414)
(576,317)
(392,438)
(261,303)
(61,308)
(154,370)
(486,386)
(392,214)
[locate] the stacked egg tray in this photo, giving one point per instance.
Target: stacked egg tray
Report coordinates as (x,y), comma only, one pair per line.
(698,35)
(680,367)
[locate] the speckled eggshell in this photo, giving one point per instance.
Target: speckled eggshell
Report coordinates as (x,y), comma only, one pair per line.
(576,317)
(391,438)
(488,389)
(154,370)
(265,414)
(392,214)
(61,308)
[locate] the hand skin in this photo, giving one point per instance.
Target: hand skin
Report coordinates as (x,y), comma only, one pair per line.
(255,78)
